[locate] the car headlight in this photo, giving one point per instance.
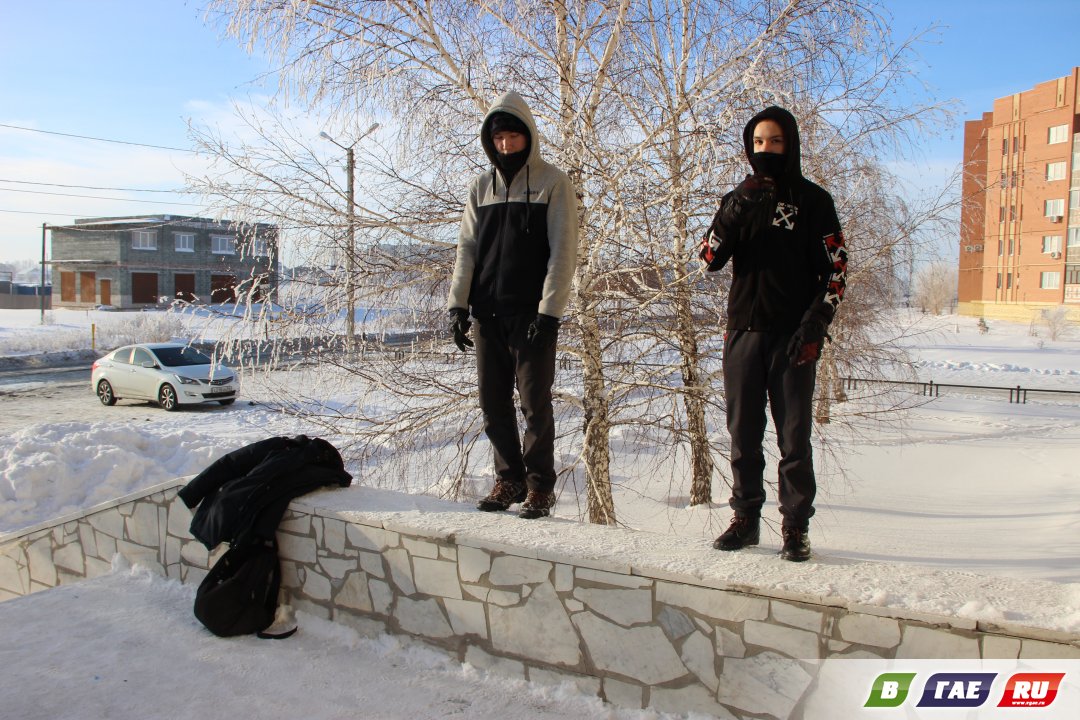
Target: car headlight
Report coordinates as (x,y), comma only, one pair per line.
(186,380)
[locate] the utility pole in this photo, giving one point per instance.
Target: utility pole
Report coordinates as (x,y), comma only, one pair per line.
(350,258)
(350,250)
(41,290)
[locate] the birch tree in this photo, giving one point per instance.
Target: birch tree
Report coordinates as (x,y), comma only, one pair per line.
(641,102)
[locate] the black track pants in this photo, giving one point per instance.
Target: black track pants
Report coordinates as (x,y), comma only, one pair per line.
(504,358)
(756,371)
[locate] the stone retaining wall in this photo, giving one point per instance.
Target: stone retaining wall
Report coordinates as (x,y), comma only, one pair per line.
(661,641)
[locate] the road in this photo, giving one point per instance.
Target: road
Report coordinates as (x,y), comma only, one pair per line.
(60,395)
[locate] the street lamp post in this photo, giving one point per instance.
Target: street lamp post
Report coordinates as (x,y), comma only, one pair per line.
(350,254)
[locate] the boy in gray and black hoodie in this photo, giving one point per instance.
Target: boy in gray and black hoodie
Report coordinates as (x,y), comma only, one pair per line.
(516,257)
(782,236)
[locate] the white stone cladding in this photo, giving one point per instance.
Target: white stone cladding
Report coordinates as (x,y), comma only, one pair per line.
(635,637)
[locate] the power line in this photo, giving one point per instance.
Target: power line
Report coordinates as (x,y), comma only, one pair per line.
(94,187)
(99,197)
(31,212)
(88,137)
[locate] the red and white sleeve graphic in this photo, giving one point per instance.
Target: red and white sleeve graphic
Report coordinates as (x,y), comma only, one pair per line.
(834,245)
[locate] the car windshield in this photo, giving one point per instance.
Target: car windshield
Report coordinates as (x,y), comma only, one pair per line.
(180,356)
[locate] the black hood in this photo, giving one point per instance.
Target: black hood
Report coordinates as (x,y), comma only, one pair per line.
(787,122)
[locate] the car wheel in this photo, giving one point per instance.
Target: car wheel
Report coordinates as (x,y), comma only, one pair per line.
(230,401)
(167,399)
(105,393)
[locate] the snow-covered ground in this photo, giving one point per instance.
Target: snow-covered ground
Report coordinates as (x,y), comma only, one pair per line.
(126,646)
(965,482)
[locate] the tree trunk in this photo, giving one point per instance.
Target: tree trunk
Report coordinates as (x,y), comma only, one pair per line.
(693,399)
(596,448)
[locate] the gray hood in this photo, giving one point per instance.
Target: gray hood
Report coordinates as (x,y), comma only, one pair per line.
(514,104)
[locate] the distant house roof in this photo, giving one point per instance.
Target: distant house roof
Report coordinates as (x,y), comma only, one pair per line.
(156,220)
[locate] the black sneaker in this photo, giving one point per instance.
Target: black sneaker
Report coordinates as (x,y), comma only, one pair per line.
(796,544)
(502,496)
(743,531)
(537,505)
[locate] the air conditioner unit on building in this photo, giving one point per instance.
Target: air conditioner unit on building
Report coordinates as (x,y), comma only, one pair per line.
(978,248)
(1055,255)
(969,248)
(1054,218)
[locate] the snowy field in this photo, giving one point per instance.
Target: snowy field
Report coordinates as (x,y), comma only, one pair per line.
(970,486)
(963,481)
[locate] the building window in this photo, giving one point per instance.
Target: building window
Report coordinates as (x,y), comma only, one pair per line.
(1057,134)
(143,240)
(1010,246)
(259,247)
(1050,280)
(1004,146)
(1016,144)
(223,244)
(1055,170)
(185,242)
(1001,214)
(1055,208)
(1072,274)
(1051,244)
(1008,281)
(999,281)
(1072,245)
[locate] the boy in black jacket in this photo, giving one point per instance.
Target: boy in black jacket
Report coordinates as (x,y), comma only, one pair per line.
(788,274)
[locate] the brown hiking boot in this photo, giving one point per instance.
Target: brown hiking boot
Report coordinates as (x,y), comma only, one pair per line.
(502,496)
(537,505)
(796,544)
(743,531)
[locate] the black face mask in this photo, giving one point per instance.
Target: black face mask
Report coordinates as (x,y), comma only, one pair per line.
(513,162)
(768,163)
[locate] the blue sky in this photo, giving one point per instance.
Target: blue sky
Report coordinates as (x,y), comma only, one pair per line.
(137,70)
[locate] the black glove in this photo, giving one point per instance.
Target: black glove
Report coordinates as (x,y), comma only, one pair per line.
(753,192)
(459,326)
(543,332)
(806,343)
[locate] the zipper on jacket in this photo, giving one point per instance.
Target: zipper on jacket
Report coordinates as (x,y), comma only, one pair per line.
(499,240)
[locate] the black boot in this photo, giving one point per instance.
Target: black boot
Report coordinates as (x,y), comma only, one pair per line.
(537,505)
(502,496)
(743,531)
(796,543)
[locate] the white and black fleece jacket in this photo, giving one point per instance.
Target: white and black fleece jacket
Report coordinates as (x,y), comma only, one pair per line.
(518,243)
(788,258)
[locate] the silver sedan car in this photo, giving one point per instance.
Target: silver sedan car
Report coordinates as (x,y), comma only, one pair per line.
(170,374)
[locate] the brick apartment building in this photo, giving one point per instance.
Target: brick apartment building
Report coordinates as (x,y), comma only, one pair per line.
(142,261)
(1020,215)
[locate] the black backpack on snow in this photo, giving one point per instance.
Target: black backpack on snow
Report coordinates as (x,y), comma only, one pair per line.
(239,595)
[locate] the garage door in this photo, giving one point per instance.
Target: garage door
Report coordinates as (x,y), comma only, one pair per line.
(144,287)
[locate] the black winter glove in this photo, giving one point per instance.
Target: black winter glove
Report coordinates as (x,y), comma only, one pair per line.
(543,332)
(459,326)
(806,343)
(753,192)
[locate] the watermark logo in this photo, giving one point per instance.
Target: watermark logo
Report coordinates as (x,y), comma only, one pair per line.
(966,690)
(1031,690)
(957,689)
(890,690)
